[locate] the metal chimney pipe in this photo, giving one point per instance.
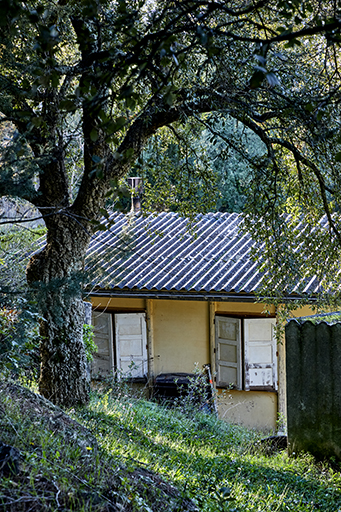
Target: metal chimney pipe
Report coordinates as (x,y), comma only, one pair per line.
(136,196)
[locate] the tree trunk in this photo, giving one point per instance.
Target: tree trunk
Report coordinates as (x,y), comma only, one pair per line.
(55,274)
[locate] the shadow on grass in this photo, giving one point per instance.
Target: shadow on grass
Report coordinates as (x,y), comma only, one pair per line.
(202,462)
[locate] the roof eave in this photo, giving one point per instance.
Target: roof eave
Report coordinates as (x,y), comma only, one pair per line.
(188,295)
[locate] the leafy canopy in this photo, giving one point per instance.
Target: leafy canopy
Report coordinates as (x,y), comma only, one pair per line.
(86,84)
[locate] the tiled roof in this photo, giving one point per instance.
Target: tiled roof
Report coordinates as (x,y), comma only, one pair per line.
(165,253)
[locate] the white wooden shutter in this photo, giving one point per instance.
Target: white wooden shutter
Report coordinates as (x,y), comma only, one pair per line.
(260,354)
(131,344)
(103,361)
(228,352)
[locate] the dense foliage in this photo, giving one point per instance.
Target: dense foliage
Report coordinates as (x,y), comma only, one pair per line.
(199,167)
(19,330)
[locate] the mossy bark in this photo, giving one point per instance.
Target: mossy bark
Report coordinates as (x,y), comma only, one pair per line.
(56,275)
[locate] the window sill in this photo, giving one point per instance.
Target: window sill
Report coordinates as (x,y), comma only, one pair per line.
(266,389)
(136,380)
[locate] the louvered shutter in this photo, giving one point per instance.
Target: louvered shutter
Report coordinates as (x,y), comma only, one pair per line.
(228,352)
(131,344)
(103,361)
(260,354)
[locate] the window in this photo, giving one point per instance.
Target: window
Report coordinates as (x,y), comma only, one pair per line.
(121,340)
(246,353)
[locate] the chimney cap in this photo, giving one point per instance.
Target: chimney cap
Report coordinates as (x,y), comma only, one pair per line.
(135,183)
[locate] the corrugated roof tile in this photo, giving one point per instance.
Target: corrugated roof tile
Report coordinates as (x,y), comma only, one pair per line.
(170,253)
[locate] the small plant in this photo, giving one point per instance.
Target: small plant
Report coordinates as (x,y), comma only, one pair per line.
(281,424)
(197,394)
(121,384)
(88,339)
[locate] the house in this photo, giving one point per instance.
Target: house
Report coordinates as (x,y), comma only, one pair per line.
(168,293)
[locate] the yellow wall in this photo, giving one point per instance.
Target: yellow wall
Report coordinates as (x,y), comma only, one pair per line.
(181,335)
(254,409)
(242,308)
(303,311)
(114,303)
(180,331)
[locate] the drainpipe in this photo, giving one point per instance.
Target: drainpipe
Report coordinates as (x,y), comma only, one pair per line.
(136,196)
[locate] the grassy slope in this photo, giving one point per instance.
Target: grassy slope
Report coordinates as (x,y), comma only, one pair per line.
(206,460)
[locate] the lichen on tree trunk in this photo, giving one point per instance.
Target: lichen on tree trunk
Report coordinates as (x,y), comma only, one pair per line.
(55,274)
(63,378)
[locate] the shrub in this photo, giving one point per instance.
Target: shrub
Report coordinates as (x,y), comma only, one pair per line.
(88,339)
(19,342)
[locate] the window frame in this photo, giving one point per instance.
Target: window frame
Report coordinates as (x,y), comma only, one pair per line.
(225,366)
(117,347)
(243,384)
(114,349)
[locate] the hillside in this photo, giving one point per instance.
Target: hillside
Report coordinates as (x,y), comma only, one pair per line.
(127,454)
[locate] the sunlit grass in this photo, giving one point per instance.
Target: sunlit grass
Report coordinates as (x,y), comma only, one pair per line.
(218,466)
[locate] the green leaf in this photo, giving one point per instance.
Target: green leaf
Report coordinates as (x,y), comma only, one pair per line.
(100,173)
(21,152)
(131,103)
(292,43)
(309,107)
(169,98)
(94,135)
(37,121)
(101,227)
(104,212)
(213,50)
(126,91)
(23,113)
(129,153)
(68,105)
(54,79)
(114,126)
(338,156)
(44,80)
